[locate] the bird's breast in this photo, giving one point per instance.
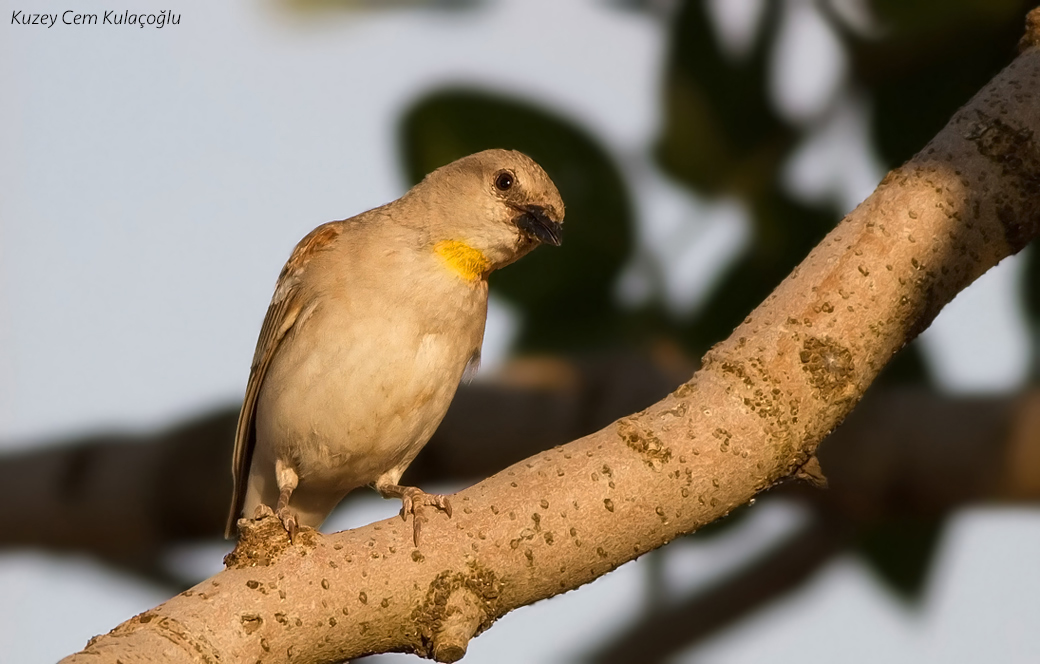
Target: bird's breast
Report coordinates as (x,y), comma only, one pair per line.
(356,392)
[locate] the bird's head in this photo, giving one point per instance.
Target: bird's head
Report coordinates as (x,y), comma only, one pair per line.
(498,204)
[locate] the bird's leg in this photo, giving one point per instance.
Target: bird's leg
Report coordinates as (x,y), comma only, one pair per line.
(413,501)
(287,480)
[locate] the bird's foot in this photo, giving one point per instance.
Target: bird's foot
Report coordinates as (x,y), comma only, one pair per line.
(288,519)
(284,514)
(414,501)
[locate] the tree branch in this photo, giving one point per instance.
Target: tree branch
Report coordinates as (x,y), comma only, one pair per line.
(753,415)
(126,497)
(664,631)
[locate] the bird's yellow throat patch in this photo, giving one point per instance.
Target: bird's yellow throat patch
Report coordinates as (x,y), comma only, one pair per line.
(463,259)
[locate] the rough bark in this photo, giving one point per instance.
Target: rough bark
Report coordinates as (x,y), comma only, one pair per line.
(753,415)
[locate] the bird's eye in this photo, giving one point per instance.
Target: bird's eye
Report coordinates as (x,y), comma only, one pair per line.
(504,181)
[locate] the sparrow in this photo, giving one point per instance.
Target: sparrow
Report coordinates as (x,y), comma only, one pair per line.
(374,322)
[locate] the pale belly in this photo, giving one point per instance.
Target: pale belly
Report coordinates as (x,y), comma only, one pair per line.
(356,404)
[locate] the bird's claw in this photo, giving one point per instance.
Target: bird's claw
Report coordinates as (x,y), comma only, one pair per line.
(288,519)
(414,501)
(284,514)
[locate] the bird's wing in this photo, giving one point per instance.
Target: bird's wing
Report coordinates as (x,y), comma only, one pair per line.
(288,308)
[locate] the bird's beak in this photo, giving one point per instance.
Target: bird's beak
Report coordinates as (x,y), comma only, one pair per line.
(538,226)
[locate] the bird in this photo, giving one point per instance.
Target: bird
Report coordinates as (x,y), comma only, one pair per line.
(374,322)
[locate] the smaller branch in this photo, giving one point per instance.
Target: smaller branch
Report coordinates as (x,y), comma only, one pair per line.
(463,617)
(125,498)
(912,451)
(667,629)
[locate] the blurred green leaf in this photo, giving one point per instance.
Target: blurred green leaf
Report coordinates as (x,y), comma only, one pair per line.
(929,60)
(901,552)
(784,233)
(721,134)
(936,17)
(565,292)
(720,131)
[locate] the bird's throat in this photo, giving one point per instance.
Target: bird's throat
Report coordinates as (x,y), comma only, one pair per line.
(462,259)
